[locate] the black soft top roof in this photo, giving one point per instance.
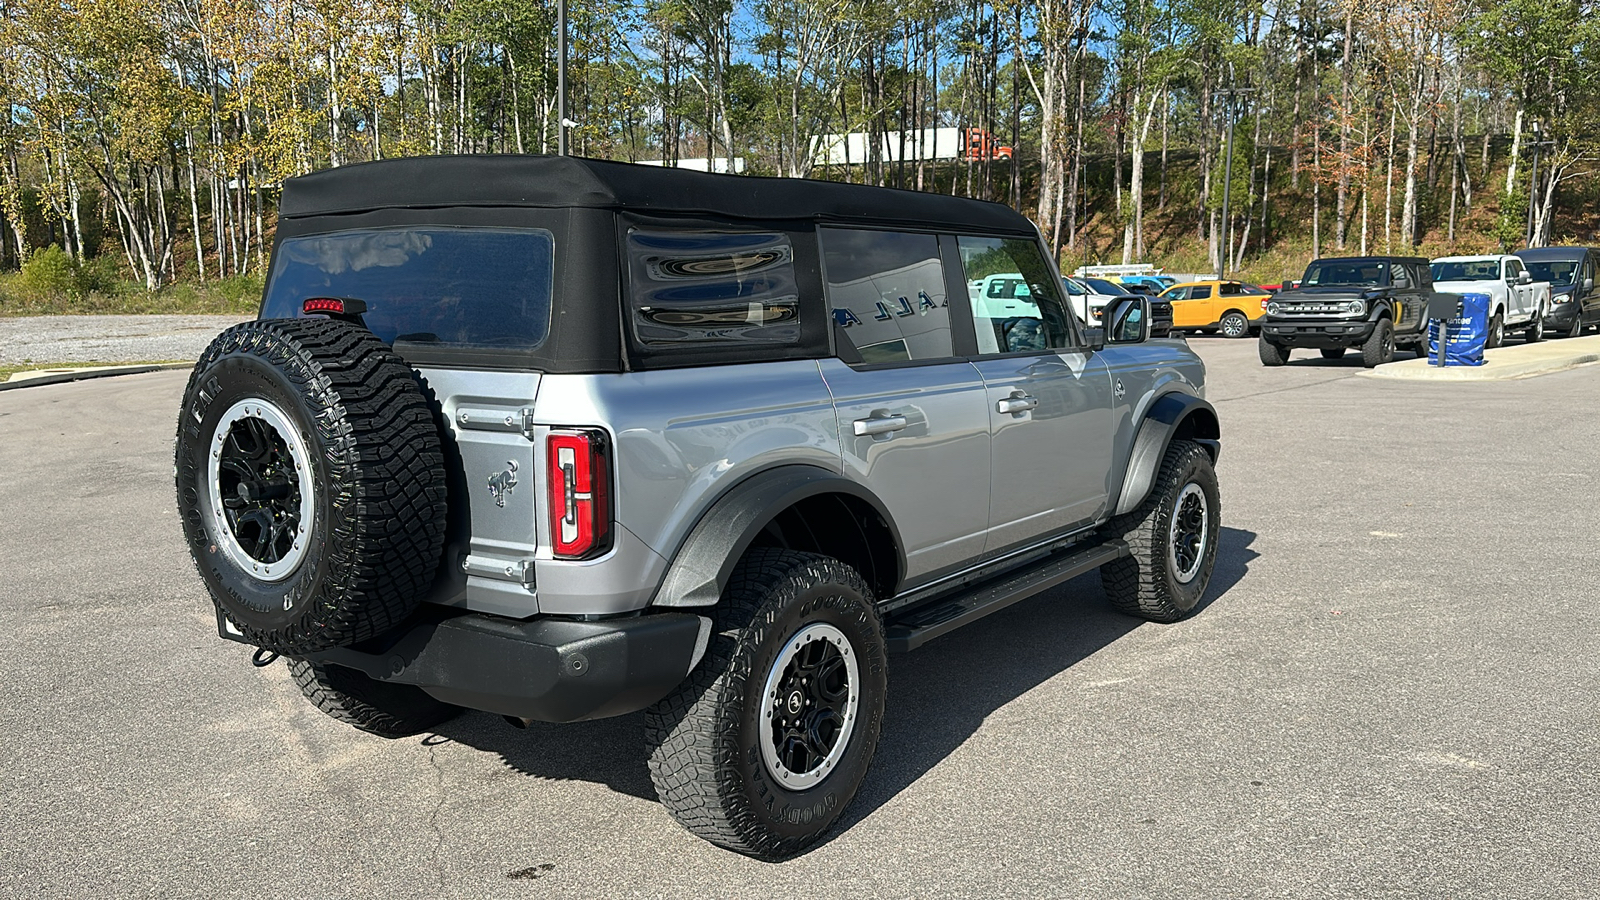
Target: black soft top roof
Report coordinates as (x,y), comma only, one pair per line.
(559,182)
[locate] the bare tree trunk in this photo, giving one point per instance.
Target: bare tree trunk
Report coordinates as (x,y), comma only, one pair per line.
(1516,151)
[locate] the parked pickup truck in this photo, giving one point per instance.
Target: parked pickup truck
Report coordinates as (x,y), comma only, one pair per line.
(1515,299)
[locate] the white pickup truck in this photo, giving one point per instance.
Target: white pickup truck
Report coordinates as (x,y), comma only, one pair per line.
(1516,301)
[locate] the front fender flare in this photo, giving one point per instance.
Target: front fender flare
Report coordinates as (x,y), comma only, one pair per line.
(1166,417)
(700,570)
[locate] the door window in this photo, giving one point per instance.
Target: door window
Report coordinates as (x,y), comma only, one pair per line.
(888,294)
(1200,292)
(1402,277)
(1017,305)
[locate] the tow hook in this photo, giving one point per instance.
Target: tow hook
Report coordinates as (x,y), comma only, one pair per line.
(263,658)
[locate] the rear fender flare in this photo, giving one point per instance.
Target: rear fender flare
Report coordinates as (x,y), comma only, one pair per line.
(700,570)
(1171,415)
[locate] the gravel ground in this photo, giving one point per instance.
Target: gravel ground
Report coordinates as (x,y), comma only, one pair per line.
(107,339)
(1389,693)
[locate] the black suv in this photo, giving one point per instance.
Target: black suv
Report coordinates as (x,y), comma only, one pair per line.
(1374,303)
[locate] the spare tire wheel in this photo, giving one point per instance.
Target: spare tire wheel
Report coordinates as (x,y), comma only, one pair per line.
(310,483)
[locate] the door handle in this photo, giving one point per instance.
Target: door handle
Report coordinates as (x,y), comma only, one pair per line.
(1016,404)
(878,424)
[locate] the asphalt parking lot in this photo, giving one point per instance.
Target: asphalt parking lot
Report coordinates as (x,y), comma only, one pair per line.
(1391,692)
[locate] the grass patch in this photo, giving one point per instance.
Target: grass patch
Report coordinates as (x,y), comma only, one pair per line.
(7,369)
(60,294)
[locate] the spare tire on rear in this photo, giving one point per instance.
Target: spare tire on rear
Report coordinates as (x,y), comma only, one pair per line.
(310,483)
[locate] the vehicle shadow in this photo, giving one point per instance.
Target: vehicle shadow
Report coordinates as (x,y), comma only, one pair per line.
(1351,360)
(938,696)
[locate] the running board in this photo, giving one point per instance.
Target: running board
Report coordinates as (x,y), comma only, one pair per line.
(910,629)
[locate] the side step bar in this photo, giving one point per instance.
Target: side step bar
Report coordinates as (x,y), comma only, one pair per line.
(910,629)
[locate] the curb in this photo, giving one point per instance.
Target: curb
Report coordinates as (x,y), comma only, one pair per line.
(62,377)
(1500,364)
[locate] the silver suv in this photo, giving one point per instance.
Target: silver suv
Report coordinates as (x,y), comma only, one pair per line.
(560,439)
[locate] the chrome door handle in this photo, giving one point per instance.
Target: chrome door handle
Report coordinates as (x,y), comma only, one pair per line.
(1016,404)
(876,425)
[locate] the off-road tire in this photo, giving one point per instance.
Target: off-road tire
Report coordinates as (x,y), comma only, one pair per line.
(1146,584)
(1379,346)
(1496,333)
(1534,333)
(1272,354)
(373,530)
(705,759)
(376,707)
(1235,325)
(1333,352)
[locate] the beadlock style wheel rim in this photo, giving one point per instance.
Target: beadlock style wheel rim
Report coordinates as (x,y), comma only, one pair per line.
(1186,544)
(809,706)
(258,480)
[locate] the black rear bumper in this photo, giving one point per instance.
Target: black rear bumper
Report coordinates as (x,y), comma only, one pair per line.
(550,670)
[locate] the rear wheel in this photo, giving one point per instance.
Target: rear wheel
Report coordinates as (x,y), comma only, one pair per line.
(1333,352)
(1272,354)
(1235,325)
(767,741)
(1535,330)
(1173,539)
(1379,347)
(376,707)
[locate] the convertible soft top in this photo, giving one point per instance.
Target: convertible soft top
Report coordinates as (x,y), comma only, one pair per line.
(562,182)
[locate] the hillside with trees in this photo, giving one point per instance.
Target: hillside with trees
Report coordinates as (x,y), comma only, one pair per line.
(147,140)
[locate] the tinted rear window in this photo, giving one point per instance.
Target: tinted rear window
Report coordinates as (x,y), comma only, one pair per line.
(460,287)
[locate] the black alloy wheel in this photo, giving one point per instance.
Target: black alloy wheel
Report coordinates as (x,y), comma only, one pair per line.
(259,485)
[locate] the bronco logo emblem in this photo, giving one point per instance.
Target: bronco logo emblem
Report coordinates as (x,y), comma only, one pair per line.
(500,485)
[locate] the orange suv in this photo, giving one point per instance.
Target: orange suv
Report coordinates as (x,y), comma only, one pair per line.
(1231,307)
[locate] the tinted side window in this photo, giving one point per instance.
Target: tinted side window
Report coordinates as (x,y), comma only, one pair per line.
(1200,292)
(1402,278)
(1016,305)
(699,288)
(888,295)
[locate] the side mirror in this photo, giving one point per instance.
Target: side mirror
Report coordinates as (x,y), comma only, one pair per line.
(1588,284)
(1127,320)
(1524,277)
(1095,338)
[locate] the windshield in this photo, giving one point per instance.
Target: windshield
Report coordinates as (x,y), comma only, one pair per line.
(1073,287)
(1470,270)
(1559,272)
(462,287)
(1101,286)
(1346,272)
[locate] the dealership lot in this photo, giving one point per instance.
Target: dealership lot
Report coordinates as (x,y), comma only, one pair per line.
(1391,692)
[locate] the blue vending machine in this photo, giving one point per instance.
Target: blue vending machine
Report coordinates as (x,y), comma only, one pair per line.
(1464,335)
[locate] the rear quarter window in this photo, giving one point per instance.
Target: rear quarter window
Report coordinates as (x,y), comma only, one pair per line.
(439,286)
(700,289)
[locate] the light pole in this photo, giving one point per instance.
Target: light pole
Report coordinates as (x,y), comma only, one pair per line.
(1227,182)
(561,78)
(1533,182)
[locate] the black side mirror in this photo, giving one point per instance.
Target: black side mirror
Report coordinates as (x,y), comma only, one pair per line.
(1095,338)
(1127,320)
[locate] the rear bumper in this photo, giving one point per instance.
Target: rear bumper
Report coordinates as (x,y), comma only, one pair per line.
(550,670)
(1317,333)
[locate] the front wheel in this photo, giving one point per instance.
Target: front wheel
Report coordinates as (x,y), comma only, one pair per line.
(1272,354)
(768,740)
(1496,334)
(1576,329)
(1173,539)
(1379,348)
(1235,325)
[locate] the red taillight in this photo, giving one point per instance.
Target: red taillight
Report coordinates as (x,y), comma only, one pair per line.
(333,306)
(580,516)
(1264,302)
